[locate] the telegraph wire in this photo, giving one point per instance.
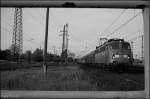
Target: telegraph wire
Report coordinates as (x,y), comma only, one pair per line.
(39,14)
(10,25)
(122,25)
(136,40)
(6,29)
(35,18)
(114,21)
(138,31)
(137,45)
(31,40)
(11,32)
(75,38)
(136,37)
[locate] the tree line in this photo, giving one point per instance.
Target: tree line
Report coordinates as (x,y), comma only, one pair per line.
(36,56)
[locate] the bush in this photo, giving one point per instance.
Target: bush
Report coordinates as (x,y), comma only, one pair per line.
(5,54)
(37,55)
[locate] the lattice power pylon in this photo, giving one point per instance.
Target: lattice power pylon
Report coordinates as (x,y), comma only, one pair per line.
(64,53)
(17,43)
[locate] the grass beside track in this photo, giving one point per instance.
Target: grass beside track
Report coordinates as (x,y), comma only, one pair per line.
(114,81)
(69,77)
(57,78)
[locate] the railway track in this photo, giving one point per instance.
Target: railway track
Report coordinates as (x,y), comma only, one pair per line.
(83,78)
(128,78)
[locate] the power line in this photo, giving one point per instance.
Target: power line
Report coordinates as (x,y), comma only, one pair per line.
(33,17)
(39,14)
(6,29)
(122,25)
(133,33)
(75,38)
(136,37)
(12,25)
(136,41)
(31,40)
(114,21)
(137,44)
(9,24)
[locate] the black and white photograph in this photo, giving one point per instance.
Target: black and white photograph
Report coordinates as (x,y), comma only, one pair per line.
(72,49)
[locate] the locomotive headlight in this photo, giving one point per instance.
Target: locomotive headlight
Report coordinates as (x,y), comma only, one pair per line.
(125,56)
(116,56)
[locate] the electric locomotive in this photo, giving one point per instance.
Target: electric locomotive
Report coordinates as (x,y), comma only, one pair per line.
(113,54)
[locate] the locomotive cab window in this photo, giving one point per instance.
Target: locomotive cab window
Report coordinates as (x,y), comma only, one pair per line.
(115,45)
(125,46)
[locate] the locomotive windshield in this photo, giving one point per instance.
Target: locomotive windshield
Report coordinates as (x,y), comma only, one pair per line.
(119,45)
(115,45)
(125,46)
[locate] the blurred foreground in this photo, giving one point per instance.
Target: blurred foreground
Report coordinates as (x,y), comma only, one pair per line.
(68,77)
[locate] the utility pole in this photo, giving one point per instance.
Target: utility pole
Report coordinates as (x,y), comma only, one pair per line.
(142,48)
(99,40)
(54,50)
(17,42)
(45,43)
(0,41)
(65,43)
(132,46)
(132,49)
(67,39)
(136,56)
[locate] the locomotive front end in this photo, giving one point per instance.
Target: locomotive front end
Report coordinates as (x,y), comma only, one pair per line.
(120,55)
(121,59)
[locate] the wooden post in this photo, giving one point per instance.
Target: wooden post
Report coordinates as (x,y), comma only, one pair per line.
(0,41)
(45,43)
(142,53)
(146,16)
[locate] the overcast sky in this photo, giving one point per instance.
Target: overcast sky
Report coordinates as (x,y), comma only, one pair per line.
(86,26)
